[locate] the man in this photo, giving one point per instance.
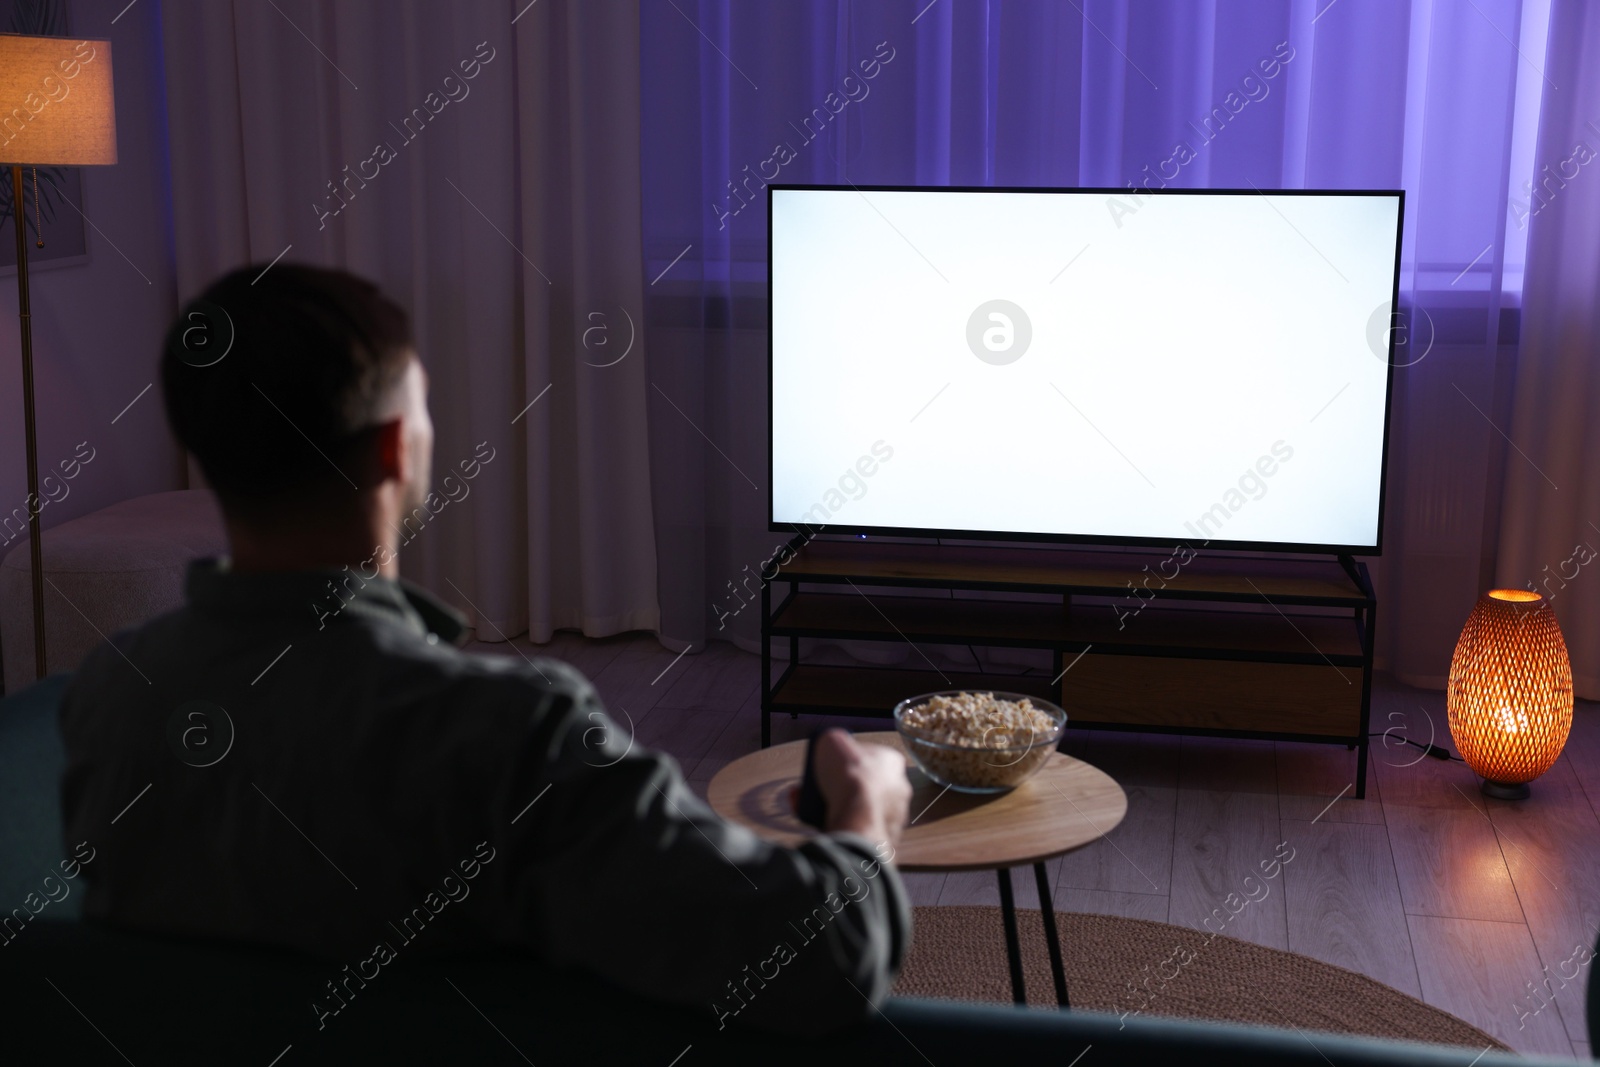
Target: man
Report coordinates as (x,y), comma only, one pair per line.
(301,757)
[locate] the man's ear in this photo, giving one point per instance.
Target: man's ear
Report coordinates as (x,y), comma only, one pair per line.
(391,450)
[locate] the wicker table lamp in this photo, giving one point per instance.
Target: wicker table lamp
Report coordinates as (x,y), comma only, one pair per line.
(1510,694)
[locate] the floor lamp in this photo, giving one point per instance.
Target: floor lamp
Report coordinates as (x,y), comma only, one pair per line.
(56,109)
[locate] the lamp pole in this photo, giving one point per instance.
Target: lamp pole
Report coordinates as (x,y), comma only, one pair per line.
(35,545)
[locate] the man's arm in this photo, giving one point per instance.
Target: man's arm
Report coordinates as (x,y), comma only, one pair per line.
(621,870)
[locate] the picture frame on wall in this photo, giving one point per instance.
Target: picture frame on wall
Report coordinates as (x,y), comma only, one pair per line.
(58,216)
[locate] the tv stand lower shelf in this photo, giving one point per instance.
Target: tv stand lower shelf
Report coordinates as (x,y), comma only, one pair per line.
(1171,651)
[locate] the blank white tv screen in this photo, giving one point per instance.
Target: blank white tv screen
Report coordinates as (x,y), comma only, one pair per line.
(1186,366)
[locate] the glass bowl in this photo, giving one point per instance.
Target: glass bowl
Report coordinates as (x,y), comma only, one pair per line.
(986,767)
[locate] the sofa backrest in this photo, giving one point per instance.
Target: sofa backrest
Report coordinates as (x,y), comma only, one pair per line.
(71,990)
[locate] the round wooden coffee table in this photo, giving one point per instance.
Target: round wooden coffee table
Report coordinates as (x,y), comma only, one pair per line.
(1066,805)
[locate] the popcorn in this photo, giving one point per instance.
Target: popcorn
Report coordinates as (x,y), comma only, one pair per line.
(976,741)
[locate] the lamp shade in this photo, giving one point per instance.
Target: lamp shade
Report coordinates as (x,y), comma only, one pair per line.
(1510,692)
(55,101)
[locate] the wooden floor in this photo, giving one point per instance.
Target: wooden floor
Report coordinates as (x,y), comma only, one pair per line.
(1425,885)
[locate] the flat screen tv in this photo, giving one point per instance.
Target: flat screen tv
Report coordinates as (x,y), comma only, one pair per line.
(1083,365)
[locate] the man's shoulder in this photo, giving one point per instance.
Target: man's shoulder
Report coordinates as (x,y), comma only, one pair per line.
(514,676)
(114,660)
(181,644)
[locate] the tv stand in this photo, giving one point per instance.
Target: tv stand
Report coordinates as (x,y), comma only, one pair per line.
(1174,651)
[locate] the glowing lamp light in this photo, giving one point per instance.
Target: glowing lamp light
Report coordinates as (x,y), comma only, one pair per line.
(1510,694)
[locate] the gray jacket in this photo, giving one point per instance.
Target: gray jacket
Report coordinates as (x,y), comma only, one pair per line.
(307,760)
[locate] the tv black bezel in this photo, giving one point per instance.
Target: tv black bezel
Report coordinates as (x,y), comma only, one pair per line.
(1131,541)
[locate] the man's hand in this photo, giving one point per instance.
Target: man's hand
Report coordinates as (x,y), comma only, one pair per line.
(864,786)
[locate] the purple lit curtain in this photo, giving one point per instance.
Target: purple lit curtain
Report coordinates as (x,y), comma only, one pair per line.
(1550,520)
(1441,99)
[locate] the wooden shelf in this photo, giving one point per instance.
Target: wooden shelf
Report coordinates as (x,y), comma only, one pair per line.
(874,692)
(1270,637)
(1205,577)
(1219,644)
(1193,699)
(1212,695)
(1154,631)
(933,619)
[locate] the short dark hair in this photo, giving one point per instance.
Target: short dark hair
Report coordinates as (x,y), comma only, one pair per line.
(274,375)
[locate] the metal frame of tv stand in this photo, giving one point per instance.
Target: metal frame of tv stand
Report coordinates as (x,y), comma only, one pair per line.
(1364,615)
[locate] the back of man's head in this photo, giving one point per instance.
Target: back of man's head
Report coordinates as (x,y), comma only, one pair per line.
(273,379)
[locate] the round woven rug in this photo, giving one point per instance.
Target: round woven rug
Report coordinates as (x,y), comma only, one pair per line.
(1139,967)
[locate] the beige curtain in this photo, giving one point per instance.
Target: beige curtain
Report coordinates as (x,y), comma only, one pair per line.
(479,160)
(1550,522)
